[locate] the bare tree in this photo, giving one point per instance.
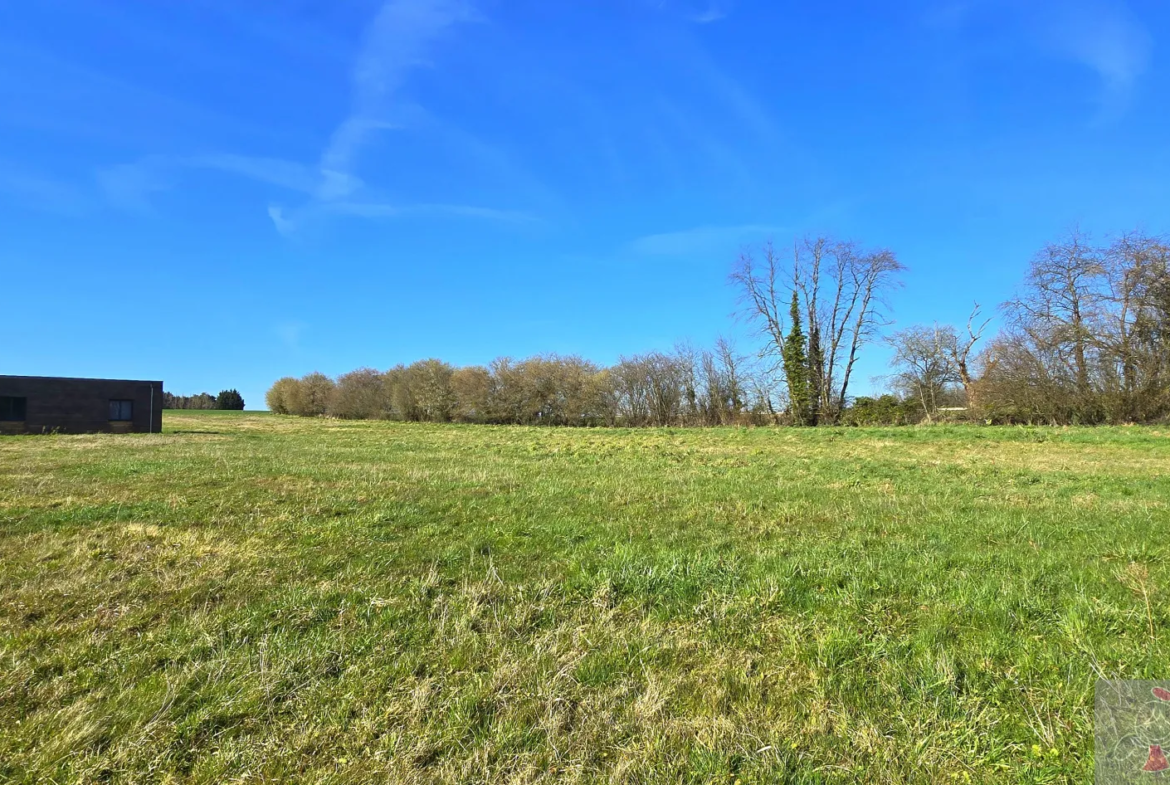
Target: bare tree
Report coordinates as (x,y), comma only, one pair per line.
(1061,297)
(399,395)
(731,362)
(1025,379)
(360,395)
(316,390)
(924,363)
(603,391)
(1134,336)
(763,288)
(1088,338)
(844,289)
(722,384)
(430,387)
(664,383)
(309,396)
(472,390)
(650,389)
(689,361)
(959,350)
(766,392)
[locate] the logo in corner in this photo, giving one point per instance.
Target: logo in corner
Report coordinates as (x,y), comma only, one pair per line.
(1132,725)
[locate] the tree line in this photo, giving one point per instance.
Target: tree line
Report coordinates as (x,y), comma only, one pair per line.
(686,386)
(1086,340)
(227,399)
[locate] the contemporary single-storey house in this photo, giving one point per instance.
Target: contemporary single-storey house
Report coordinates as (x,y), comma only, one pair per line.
(45,404)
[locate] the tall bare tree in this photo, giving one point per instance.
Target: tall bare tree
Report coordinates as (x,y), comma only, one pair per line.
(843,288)
(1134,337)
(1060,300)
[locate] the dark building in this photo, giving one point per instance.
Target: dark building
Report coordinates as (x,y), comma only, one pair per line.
(45,404)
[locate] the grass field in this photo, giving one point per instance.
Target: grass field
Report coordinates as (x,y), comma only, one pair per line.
(250,597)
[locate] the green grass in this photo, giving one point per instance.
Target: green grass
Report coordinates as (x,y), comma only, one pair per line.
(255,598)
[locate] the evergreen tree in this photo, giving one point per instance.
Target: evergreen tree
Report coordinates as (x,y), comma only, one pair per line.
(229,399)
(815,374)
(796,368)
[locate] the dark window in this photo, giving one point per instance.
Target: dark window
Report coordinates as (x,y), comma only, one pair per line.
(13,409)
(121,410)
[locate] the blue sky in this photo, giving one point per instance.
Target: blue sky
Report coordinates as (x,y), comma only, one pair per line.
(219,193)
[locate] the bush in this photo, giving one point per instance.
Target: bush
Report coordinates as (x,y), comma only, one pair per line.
(314,392)
(360,395)
(282,395)
(885,410)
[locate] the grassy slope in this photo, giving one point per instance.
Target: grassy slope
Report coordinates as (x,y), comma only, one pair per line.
(255,597)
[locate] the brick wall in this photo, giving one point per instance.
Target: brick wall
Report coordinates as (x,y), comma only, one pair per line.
(82,405)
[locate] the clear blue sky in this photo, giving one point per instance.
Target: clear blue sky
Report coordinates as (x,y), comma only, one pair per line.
(218,193)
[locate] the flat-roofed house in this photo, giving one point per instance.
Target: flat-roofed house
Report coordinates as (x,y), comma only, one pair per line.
(47,404)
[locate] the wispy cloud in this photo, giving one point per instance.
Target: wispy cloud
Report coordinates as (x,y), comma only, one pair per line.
(700,12)
(290,333)
(131,186)
(273,171)
(739,107)
(289,222)
(282,224)
(743,105)
(398,40)
(701,240)
(949,14)
(724,156)
(714,12)
(1106,38)
(386,210)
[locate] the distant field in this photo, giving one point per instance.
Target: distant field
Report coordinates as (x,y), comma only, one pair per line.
(211,413)
(252,597)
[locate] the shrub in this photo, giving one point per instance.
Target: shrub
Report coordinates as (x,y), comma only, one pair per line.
(360,395)
(282,395)
(313,394)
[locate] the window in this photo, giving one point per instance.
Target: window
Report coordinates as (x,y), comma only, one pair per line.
(122,410)
(13,409)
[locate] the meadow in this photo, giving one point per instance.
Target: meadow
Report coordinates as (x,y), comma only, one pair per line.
(250,597)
